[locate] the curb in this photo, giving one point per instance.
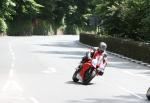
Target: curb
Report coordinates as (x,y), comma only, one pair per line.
(120,56)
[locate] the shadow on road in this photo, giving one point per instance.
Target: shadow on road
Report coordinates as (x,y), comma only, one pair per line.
(66,44)
(77,83)
(115,99)
(79,53)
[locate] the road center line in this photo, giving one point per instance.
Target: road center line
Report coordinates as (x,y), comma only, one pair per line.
(11,73)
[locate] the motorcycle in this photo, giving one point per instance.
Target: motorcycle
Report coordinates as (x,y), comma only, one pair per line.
(148,94)
(89,70)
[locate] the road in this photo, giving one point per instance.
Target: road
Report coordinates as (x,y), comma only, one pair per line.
(38,69)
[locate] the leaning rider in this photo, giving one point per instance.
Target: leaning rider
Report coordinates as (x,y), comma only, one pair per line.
(93,54)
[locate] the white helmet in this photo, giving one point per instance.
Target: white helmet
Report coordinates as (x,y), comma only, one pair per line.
(102,46)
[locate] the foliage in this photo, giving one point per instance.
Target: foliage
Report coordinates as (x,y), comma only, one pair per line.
(27,8)
(7,9)
(78,13)
(118,18)
(125,18)
(3,25)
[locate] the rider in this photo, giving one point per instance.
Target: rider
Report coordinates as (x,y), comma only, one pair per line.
(93,54)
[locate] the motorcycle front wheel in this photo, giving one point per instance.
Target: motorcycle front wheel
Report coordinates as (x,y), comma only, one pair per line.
(88,76)
(74,77)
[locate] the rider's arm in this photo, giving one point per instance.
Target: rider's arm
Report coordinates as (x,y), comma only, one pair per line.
(105,59)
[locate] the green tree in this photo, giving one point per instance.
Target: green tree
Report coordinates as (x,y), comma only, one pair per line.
(124,18)
(6,12)
(78,13)
(26,12)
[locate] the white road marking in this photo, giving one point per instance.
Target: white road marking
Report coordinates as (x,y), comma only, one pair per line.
(12,85)
(135,75)
(52,69)
(129,73)
(130,92)
(14,58)
(46,72)
(34,100)
(10,45)
(49,71)
(124,89)
(11,73)
(7,97)
(12,55)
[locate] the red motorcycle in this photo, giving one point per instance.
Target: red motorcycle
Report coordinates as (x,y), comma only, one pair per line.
(89,70)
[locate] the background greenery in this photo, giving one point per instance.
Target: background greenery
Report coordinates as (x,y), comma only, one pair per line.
(118,18)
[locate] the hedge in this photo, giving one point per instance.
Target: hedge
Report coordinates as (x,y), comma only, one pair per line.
(129,48)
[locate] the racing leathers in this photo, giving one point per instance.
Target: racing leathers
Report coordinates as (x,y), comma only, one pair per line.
(95,54)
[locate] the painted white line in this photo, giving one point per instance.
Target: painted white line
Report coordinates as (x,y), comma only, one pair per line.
(142,76)
(13,97)
(135,75)
(130,92)
(52,69)
(129,73)
(10,45)
(34,100)
(13,58)
(11,73)
(12,85)
(49,71)
(12,53)
(46,72)
(12,65)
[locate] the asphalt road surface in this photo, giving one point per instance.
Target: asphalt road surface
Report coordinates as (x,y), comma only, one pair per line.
(39,69)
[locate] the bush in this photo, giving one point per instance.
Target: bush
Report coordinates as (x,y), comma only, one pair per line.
(126,47)
(3,25)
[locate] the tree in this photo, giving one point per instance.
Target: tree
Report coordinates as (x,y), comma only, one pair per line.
(26,12)
(78,13)
(6,12)
(124,18)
